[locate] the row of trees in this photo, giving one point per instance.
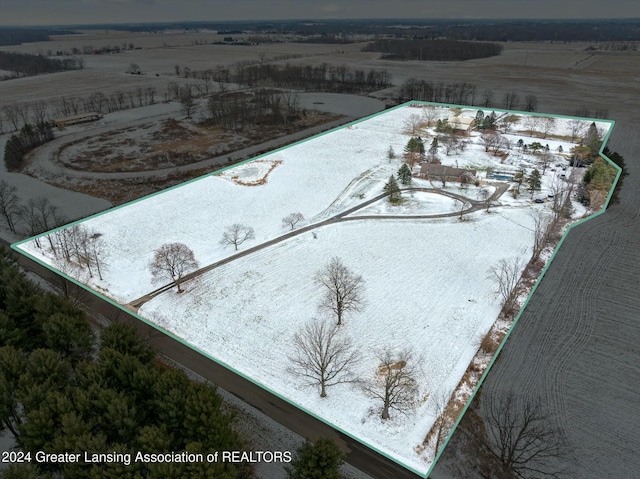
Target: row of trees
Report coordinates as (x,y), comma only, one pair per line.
(15,115)
(324,77)
(29,137)
(65,391)
(27,218)
(433,50)
(25,64)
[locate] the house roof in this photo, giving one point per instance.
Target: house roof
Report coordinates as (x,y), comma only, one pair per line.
(463,122)
(444,170)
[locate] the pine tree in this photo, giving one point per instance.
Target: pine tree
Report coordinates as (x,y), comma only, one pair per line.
(433,149)
(534,181)
(321,460)
(392,189)
(404,174)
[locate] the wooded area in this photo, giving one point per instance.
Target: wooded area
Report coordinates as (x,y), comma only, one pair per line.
(324,77)
(63,389)
(24,64)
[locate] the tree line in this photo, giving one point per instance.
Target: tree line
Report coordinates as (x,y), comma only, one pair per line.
(324,77)
(64,389)
(18,145)
(25,64)
(27,218)
(15,115)
(433,50)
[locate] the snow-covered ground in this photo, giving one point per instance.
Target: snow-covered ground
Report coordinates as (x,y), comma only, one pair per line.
(426,281)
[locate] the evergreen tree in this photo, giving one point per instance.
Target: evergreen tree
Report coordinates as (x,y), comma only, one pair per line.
(404,174)
(126,340)
(433,148)
(479,119)
(519,177)
(321,460)
(592,140)
(534,181)
(392,189)
(489,122)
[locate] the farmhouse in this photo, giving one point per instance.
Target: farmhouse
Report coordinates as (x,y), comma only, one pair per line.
(430,171)
(75,119)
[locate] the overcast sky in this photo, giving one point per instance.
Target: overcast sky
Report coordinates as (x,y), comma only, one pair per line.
(43,12)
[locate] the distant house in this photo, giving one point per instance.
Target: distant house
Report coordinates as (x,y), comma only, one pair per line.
(462,124)
(75,119)
(430,171)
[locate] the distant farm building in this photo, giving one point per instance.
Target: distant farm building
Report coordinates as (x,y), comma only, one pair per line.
(430,171)
(75,119)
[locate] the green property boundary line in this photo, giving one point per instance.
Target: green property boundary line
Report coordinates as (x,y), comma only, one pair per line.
(16,247)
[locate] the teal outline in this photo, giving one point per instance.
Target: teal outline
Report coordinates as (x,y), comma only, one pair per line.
(16,247)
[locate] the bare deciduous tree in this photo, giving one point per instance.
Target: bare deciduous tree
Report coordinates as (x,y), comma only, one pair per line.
(531,123)
(237,234)
(395,382)
(485,194)
(322,355)
(577,129)
(531,103)
(187,101)
(11,113)
(412,124)
(430,114)
(344,290)
(490,139)
(507,438)
(511,100)
(443,422)
(541,232)
(9,205)
(172,261)
(292,220)
(487,98)
(40,216)
(548,125)
(39,109)
(507,276)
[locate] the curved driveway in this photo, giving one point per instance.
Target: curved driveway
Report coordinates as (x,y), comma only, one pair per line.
(340,217)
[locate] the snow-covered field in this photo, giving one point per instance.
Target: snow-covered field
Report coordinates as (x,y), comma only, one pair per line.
(426,281)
